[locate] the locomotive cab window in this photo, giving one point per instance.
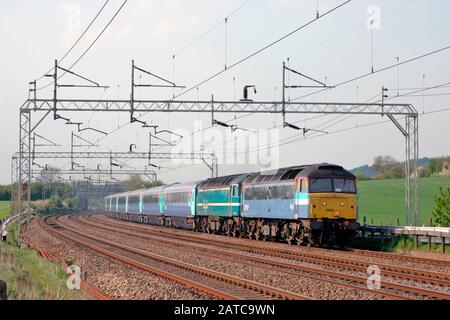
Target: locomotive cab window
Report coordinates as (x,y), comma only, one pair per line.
(337,185)
(321,185)
(344,186)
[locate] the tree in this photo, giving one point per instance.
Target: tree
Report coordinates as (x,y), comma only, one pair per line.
(5,193)
(394,172)
(55,202)
(71,202)
(382,164)
(423,172)
(441,212)
(437,165)
(157,183)
(134,183)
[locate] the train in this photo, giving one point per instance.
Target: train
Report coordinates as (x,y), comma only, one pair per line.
(305,205)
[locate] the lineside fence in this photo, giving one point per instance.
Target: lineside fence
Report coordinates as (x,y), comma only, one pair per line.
(428,235)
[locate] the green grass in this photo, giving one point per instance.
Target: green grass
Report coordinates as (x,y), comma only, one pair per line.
(4,209)
(383,200)
(29,277)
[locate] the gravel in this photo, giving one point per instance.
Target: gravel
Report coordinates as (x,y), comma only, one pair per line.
(317,266)
(117,280)
(299,284)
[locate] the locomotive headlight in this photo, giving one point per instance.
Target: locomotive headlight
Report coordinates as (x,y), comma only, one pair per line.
(342,204)
(324,204)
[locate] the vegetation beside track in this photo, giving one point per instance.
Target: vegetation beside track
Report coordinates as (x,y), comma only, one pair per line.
(382,201)
(4,209)
(30,277)
(395,245)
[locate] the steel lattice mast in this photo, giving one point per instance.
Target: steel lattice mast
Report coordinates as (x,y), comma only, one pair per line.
(22,164)
(409,130)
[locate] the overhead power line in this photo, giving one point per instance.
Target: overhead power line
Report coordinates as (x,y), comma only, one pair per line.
(337,119)
(190,44)
(317,135)
(314,136)
(362,25)
(79,38)
(320,116)
(203,35)
(90,46)
(408,94)
(263,49)
(376,71)
(241,61)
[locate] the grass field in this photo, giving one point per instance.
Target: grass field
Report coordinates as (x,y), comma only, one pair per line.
(4,209)
(383,200)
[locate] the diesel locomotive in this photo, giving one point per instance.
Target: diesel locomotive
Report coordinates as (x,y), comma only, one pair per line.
(310,204)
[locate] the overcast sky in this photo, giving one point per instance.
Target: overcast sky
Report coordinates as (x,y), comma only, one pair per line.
(335,48)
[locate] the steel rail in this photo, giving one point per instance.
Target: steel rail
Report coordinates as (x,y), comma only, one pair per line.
(185,282)
(420,260)
(230,256)
(393,271)
(247,285)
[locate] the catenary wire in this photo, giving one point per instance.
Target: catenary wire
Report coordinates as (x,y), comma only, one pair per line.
(376,71)
(79,38)
(90,46)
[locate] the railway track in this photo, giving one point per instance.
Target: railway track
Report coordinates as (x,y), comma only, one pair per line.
(88,288)
(284,268)
(394,290)
(425,261)
(217,284)
(350,265)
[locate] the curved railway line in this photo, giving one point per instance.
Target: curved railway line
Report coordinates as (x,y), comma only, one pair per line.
(410,282)
(309,255)
(217,284)
(392,287)
(88,288)
(284,268)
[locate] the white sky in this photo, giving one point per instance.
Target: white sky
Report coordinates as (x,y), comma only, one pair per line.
(34,33)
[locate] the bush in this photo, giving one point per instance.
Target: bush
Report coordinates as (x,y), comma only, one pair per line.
(55,202)
(394,172)
(71,202)
(441,212)
(362,177)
